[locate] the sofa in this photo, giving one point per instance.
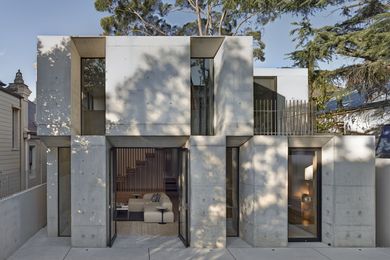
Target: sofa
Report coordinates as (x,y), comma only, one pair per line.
(148,207)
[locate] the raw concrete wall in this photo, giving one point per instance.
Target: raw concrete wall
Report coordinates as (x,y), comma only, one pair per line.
(233,65)
(348,191)
(148,86)
(208,191)
(52,191)
(22,215)
(292,83)
(75,90)
(54,85)
(263,191)
(382,166)
(89,184)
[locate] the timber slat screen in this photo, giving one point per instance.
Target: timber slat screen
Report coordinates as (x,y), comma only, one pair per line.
(292,117)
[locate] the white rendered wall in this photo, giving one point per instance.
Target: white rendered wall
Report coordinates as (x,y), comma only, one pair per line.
(348,191)
(292,83)
(382,166)
(54,85)
(148,86)
(22,215)
(88,194)
(263,191)
(208,191)
(233,68)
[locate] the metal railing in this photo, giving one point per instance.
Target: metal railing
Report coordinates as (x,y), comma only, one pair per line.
(292,117)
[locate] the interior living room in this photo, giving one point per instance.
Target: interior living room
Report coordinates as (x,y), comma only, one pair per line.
(146,191)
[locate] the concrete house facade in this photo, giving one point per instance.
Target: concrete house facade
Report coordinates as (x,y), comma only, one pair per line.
(239,154)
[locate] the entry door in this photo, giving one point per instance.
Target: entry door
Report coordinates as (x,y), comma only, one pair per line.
(304,194)
(112,198)
(183,197)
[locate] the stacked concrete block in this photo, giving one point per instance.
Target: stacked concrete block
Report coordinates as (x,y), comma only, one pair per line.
(89,184)
(208,191)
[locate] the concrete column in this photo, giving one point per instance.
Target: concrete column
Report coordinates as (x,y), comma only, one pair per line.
(89,183)
(52,191)
(263,191)
(348,191)
(208,191)
(382,201)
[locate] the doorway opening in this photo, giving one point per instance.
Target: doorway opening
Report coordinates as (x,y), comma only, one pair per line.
(149,193)
(304,194)
(232,209)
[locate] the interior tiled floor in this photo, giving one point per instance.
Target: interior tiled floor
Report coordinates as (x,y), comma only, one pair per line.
(40,247)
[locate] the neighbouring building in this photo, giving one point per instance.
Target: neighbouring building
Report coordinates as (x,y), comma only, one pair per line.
(182,136)
(22,154)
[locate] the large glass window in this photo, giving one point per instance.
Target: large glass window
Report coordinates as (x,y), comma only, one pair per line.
(304,189)
(93,96)
(265,101)
(15,128)
(202,97)
(64,197)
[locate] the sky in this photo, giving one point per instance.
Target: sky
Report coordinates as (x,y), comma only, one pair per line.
(21,21)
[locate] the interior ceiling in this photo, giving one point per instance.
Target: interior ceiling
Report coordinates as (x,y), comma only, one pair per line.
(308,141)
(90,47)
(236,141)
(148,141)
(205,47)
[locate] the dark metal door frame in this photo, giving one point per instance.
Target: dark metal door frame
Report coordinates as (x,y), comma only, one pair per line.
(184,153)
(319,193)
(112,190)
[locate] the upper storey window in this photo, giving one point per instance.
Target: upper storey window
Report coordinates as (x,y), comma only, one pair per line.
(93,96)
(202,96)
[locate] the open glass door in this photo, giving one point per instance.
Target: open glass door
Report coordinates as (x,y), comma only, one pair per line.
(112,199)
(183,197)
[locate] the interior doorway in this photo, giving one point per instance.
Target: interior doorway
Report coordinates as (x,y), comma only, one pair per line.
(149,192)
(304,194)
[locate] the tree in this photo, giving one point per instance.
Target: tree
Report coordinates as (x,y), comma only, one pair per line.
(364,35)
(205,17)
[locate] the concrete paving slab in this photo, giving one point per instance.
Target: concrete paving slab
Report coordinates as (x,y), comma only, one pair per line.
(236,242)
(40,253)
(276,254)
(307,245)
(41,239)
(353,253)
(189,254)
(108,253)
(147,242)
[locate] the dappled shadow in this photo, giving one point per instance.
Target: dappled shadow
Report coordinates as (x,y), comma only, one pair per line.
(53,86)
(151,96)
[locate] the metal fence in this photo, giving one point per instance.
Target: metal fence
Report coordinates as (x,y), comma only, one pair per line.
(292,117)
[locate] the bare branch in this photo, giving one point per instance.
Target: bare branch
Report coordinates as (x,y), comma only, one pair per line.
(221,21)
(242,22)
(199,17)
(145,23)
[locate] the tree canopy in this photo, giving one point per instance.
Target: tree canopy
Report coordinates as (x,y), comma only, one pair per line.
(364,35)
(203,17)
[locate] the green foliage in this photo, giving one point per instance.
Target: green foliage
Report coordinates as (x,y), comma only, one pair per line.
(364,35)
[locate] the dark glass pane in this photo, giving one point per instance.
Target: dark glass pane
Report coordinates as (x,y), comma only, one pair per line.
(64,196)
(232,215)
(303,189)
(383,148)
(202,97)
(93,96)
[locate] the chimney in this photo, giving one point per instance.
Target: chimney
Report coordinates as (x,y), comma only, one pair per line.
(18,87)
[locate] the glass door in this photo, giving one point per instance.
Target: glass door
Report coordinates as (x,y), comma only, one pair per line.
(304,194)
(64,192)
(183,197)
(112,199)
(232,210)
